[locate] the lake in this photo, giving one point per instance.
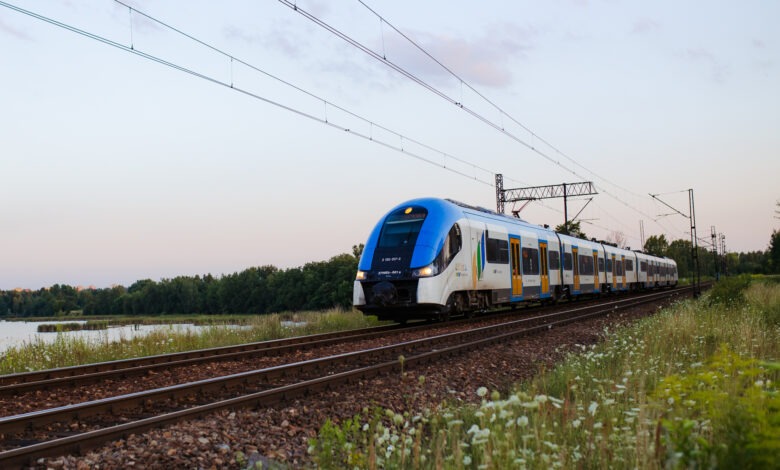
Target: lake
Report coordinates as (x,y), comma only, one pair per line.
(14,333)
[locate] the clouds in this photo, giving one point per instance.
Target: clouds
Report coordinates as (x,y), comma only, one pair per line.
(487,60)
(718,71)
(277,39)
(13,31)
(646,26)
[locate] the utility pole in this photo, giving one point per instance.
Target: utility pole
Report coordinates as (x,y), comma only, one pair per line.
(694,240)
(723,255)
(500,201)
(697,287)
(715,252)
(565,190)
(642,233)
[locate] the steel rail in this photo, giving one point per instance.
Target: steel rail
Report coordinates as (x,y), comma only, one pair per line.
(162,359)
(12,384)
(485,335)
(16,423)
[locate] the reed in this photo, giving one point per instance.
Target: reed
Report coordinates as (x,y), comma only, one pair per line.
(68,350)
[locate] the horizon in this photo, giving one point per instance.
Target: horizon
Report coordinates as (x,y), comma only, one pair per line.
(119,169)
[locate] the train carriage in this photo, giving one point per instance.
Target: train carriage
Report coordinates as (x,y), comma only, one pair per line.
(430,258)
(643,271)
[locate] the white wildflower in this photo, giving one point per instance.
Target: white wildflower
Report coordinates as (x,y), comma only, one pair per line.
(592,408)
(482,391)
(522,421)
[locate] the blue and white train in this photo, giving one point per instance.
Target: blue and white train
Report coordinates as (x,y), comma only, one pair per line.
(432,258)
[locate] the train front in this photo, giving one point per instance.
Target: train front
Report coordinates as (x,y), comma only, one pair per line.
(399,274)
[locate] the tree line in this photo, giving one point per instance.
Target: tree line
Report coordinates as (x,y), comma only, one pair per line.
(753,262)
(265,289)
(314,286)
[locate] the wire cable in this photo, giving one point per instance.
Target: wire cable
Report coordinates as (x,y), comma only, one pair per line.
(383,59)
(498,108)
(231,85)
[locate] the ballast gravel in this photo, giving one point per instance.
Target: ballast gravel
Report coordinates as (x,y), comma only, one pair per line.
(278,436)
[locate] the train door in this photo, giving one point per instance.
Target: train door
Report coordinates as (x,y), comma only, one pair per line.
(614,272)
(576,267)
(544,271)
(596,280)
(517,275)
(623,266)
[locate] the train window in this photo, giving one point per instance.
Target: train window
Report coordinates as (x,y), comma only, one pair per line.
(530,261)
(643,266)
(629,265)
(402,227)
(555,260)
(497,251)
(586,264)
(452,245)
(453,242)
(601,265)
(567,261)
(609,265)
(619,267)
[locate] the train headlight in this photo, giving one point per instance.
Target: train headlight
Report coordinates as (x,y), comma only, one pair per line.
(427,271)
(361,276)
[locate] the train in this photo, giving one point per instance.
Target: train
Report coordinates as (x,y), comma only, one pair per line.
(432,258)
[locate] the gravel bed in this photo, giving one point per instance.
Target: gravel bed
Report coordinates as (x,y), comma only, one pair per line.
(165,377)
(278,436)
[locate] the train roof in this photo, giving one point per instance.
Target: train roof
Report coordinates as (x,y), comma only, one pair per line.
(442,214)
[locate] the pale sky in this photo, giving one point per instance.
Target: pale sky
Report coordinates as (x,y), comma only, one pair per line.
(116,168)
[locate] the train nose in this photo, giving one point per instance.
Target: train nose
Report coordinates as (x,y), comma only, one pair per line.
(385,294)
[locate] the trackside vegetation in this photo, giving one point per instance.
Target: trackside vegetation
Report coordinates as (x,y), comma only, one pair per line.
(694,386)
(68,350)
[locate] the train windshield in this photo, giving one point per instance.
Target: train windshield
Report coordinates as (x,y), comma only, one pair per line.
(402,227)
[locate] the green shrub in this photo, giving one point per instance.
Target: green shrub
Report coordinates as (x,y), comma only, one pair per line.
(725,415)
(730,291)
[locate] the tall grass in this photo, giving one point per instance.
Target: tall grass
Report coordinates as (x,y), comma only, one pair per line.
(694,386)
(67,350)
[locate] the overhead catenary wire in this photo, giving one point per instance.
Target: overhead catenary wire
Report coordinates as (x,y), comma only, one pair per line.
(231,85)
(499,127)
(420,82)
(502,112)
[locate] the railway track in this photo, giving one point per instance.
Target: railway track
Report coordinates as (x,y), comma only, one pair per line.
(16,384)
(75,428)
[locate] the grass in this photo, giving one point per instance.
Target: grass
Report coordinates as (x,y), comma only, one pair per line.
(69,350)
(694,386)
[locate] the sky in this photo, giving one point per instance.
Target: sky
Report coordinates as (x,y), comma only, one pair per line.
(275,141)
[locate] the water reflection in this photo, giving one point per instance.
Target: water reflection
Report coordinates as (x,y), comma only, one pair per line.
(14,333)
